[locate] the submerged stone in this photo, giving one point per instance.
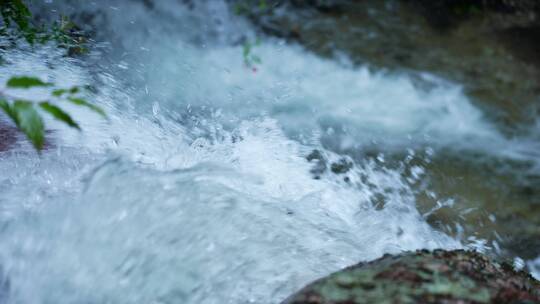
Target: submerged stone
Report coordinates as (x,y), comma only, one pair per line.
(341,166)
(424,277)
(319,163)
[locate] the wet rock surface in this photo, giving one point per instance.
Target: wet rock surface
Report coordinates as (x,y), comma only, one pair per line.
(424,277)
(444,14)
(8,136)
(494,200)
(11,138)
(471,198)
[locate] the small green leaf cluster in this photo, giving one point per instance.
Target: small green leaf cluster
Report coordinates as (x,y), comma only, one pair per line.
(250,59)
(25,115)
(246,7)
(251,9)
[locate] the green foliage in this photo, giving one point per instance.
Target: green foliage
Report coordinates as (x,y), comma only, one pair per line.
(59,114)
(81,102)
(250,59)
(16,12)
(27,119)
(245,7)
(25,115)
(464,9)
(25,82)
(263,5)
(17,23)
(251,8)
(67,35)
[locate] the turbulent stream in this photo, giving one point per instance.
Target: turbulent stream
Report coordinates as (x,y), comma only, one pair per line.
(198,188)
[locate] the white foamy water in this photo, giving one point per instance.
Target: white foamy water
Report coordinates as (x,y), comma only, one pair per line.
(534,266)
(197,189)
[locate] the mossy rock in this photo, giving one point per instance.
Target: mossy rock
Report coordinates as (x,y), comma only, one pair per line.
(424,277)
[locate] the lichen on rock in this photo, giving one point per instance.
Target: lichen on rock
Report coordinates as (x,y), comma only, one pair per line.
(424,277)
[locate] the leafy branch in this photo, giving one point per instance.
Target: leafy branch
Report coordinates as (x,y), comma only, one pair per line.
(250,59)
(18,23)
(16,12)
(24,113)
(250,8)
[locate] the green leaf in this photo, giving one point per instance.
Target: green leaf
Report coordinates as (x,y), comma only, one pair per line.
(239,9)
(6,107)
(84,103)
(29,122)
(25,82)
(58,92)
(74,90)
(246,49)
(59,114)
(256,59)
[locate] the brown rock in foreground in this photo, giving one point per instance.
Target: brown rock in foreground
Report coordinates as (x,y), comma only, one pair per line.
(8,137)
(424,277)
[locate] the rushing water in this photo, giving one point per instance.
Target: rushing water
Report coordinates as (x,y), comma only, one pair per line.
(197,189)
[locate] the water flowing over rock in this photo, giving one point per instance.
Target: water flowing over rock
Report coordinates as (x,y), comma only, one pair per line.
(490,48)
(244,158)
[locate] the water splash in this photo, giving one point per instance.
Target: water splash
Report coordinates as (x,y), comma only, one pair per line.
(198,189)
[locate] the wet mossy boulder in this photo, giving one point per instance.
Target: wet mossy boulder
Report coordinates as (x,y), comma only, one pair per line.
(424,277)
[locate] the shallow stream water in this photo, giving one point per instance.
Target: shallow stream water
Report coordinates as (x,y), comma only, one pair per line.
(200,187)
